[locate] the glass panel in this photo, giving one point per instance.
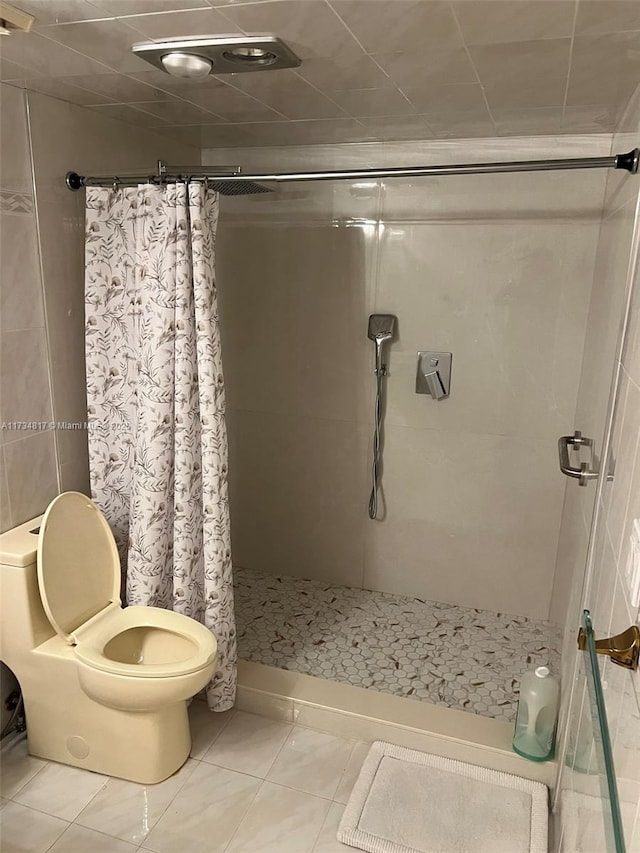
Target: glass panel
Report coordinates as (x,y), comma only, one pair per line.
(603,755)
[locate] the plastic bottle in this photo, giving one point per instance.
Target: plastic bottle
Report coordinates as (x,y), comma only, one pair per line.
(537,713)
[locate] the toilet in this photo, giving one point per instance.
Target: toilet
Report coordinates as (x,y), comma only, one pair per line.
(104,687)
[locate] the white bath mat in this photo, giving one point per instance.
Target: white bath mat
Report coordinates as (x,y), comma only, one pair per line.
(407,801)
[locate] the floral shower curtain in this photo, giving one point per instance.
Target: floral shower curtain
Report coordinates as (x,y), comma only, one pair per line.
(156,403)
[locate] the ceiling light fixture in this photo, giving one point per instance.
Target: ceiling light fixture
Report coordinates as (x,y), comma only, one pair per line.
(187,65)
(199,56)
(250,55)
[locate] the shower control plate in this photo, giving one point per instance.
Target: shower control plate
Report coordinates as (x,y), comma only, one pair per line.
(434,373)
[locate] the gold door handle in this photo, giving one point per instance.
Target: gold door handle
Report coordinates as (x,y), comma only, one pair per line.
(623,649)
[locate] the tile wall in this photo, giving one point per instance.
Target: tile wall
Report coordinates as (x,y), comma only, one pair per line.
(28,469)
(612,361)
(67,137)
(496,269)
(42,368)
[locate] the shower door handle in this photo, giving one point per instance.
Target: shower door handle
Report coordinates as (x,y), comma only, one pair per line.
(583,473)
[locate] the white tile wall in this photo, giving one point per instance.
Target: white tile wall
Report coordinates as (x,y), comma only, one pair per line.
(496,269)
(42,307)
(68,137)
(28,470)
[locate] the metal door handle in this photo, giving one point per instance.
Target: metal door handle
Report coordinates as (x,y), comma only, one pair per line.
(584,473)
(623,649)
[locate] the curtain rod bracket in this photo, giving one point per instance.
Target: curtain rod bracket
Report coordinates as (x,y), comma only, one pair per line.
(74,181)
(629,161)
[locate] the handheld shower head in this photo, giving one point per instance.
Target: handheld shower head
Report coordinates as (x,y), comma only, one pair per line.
(381,329)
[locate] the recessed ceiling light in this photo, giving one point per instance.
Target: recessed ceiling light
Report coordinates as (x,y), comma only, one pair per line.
(186,65)
(188,57)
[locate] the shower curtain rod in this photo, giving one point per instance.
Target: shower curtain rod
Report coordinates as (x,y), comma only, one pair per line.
(628,162)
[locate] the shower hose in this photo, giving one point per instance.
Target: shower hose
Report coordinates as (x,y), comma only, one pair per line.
(380,371)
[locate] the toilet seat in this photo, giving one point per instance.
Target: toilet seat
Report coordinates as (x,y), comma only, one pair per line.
(195,649)
(79,579)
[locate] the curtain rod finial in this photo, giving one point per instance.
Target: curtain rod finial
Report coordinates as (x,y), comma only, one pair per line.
(629,161)
(74,181)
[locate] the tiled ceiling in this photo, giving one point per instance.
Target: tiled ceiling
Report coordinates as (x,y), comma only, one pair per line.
(372,70)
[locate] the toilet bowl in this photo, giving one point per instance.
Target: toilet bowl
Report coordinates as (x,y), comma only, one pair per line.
(104,687)
(142,657)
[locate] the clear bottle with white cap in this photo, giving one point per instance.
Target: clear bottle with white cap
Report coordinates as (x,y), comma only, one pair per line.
(537,714)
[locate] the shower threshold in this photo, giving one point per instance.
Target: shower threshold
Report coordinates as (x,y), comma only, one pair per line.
(456,657)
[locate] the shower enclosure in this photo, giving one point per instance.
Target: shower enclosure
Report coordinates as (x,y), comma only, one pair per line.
(451,588)
(452,591)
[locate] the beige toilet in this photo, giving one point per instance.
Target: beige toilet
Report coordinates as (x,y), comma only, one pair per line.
(104,687)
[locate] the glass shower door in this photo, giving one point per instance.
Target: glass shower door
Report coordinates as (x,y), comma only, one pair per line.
(601,763)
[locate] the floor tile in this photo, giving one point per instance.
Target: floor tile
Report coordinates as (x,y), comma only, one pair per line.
(129,811)
(60,790)
(24,830)
(312,761)
(327,840)
(206,812)
(351,771)
(280,821)
(79,839)
(248,744)
(423,650)
(18,767)
(205,726)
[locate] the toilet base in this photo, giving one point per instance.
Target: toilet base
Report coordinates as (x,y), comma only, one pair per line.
(65,725)
(143,746)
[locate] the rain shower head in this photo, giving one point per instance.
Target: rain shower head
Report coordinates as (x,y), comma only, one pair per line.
(238,187)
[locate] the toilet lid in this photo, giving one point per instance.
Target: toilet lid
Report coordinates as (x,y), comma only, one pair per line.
(78,563)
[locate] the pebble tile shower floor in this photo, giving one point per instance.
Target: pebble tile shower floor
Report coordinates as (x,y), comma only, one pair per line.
(448,655)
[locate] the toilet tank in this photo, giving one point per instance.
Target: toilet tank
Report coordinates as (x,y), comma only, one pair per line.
(23,622)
